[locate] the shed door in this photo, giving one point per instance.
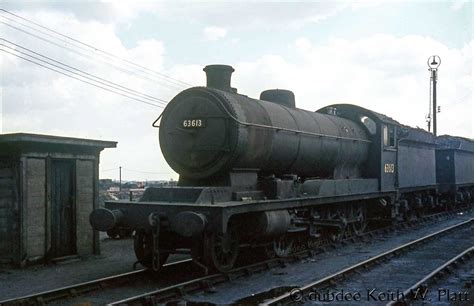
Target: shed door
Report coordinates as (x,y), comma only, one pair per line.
(63,240)
(8,210)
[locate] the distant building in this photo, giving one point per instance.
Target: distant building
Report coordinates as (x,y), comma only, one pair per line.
(129,185)
(48,187)
(161,183)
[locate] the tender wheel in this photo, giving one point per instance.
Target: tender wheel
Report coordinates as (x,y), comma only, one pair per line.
(283,246)
(360,214)
(358,228)
(353,222)
(221,251)
(143,246)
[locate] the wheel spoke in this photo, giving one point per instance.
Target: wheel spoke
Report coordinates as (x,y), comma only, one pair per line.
(222,251)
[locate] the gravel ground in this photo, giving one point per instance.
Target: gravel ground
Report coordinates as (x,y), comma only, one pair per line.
(296,275)
(453,290)
(117,257)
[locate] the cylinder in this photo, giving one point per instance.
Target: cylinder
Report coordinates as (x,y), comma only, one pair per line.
(273,223)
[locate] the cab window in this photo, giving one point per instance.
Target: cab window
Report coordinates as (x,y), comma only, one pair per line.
(389,135)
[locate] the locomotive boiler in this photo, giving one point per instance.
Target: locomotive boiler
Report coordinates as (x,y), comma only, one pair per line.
(265,175)
(207,131)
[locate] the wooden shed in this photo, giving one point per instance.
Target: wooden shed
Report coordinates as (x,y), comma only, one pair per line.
(48,187)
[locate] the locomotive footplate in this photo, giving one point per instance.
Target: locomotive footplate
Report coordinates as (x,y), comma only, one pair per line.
(213,216)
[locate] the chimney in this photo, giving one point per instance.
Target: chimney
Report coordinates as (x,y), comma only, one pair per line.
(218,76)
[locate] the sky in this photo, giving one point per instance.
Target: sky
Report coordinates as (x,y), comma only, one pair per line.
(370,53)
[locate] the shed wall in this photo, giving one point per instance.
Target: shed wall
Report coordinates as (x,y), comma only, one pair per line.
(29,195)
(9,203)
(35,208)
(84,206)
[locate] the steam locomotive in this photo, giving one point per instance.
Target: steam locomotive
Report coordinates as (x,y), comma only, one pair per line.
(266,175)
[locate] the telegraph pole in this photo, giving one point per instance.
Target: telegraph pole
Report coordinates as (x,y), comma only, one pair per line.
(433,63)
(120,178)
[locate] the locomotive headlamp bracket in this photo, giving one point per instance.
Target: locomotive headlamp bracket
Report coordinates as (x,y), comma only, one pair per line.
(154,124)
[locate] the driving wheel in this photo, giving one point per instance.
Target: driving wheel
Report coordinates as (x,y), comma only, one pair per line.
(221,250)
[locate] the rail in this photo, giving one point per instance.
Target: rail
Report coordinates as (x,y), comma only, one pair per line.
(79,289)
(292,295)
(422,284)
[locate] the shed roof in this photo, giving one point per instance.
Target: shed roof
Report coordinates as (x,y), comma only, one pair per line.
(22,138)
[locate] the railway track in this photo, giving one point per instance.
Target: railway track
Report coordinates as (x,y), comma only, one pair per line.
(207,283)
(67,292)
(364,274)
(420,291)
(203,283)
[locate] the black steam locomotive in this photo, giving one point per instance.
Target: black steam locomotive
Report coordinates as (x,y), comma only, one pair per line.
(263,174)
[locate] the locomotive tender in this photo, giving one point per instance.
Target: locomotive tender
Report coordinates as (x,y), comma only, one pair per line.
(264,174)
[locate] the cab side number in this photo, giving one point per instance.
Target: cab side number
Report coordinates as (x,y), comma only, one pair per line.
(389,168)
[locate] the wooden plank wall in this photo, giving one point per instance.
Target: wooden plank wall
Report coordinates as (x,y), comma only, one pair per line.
(8,220)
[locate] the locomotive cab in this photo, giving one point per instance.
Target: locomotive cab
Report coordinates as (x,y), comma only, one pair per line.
(382,131)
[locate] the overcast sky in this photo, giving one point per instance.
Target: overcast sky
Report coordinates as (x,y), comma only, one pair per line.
(369,53)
